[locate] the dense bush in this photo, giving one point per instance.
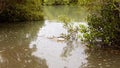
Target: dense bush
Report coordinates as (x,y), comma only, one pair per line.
(21,10)
(104,25)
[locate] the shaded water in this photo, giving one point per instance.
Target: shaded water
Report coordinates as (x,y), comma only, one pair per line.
(40,45)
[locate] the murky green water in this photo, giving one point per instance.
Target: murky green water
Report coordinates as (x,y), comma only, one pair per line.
(40,45)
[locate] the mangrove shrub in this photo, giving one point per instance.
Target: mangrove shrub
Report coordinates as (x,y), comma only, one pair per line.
(104,25)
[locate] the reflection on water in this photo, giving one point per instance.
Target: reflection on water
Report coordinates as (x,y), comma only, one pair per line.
(14,45)
(102,58)
(58,54)
(38,45)
(52,29)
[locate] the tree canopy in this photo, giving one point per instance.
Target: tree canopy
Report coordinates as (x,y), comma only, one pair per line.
(20,10)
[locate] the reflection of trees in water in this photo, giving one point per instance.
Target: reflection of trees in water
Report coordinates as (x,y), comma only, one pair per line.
(68,49)
(14,45)
(18,33)
(104,58)
(71,43)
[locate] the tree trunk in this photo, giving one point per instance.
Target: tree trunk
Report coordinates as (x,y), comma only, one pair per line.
(2,5)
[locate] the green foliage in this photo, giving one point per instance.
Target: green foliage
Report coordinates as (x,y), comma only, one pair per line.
(21,10)
(69,2)
(85,2)
(60,2)
(104,25)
